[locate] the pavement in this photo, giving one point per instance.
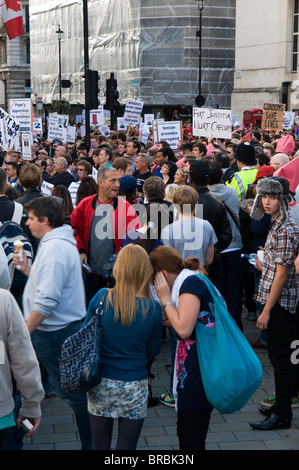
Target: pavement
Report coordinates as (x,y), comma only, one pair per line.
(58,429)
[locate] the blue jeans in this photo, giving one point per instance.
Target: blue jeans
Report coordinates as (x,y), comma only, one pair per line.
(47,346)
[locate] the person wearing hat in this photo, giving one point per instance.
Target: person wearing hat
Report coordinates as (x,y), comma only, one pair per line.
(278,293)
(246,160)
(127,187)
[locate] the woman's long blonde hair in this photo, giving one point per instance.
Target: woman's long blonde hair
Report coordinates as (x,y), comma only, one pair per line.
(133,273)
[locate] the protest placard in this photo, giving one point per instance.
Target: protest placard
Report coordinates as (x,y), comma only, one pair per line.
(121,124)
(57,128)
(170,132)
(21,111)
(97,116)
(148,119)
(46,188)
(37,125)
(9,130)
(71,134)
(26,146)
(209,122)
(289,117)
(133,112)
(273,116)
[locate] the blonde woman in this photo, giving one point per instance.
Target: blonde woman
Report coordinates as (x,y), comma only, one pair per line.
(132,332)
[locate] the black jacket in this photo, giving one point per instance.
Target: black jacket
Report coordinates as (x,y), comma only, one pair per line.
(64,178)
(214,212)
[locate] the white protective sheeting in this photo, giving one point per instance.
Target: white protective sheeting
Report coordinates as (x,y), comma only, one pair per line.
(151,41)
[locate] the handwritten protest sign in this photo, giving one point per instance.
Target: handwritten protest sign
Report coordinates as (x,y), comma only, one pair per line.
(133,112)
(170,132)
(9,130)
(21,111)
(58,126)
(273,116)
(215,122)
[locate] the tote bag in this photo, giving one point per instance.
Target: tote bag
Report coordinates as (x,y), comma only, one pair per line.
(80,358)
(231,371)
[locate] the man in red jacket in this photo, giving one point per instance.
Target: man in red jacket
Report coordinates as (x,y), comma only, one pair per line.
(100,223)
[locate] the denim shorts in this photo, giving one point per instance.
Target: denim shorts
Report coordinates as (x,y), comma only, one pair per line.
(119,399)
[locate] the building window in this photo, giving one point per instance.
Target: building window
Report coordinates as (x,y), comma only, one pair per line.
(295,36)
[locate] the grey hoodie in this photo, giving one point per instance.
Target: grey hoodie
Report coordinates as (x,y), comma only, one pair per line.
(17,356)
(229,196)
(55,285)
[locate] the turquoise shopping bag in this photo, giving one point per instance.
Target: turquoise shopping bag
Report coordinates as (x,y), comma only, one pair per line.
(231,371)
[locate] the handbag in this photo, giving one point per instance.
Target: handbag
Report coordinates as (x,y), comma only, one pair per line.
(231,371)
(80,357)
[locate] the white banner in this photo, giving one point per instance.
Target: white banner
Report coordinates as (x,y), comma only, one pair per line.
(209,122)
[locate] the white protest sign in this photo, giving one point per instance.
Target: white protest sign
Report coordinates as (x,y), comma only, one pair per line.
(37,125)
(9,130)
(94,174)
(26,146)
(71,134)
(216,122)
(46,188)
(155,128)
(20,110)
(121,124)
(170,132)
(148,119)
(133,112)
(289,117)
(57,128)
(104,130)
(97,116)
(144,132)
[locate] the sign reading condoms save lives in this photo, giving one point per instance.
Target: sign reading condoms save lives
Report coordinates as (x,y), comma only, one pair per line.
(215,122)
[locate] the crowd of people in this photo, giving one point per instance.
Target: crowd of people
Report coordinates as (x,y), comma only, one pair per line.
(138,220)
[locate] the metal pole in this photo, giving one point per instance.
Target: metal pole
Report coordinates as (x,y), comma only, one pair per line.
(86,72)
(59,58)
(200,42)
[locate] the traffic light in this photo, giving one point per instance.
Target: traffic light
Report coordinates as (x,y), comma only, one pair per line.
(112,94)
(93,78)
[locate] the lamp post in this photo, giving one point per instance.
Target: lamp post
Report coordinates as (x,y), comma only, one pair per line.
(59,33)
(86,72)
(199,100)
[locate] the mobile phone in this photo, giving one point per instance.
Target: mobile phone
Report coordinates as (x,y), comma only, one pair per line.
(27,426)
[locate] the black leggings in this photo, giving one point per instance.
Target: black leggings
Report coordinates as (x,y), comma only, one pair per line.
(128,433)
(192,428)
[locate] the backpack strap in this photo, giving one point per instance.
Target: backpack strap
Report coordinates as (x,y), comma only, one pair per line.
(18,213)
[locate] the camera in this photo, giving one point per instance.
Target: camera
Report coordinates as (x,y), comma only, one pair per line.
(27,426)
(87,268)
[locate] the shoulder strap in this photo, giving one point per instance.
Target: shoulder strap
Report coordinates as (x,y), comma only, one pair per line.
(17,214)
(232,215)
(99,310)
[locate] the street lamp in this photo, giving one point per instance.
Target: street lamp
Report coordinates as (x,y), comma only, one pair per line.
(199,100)
(59,32)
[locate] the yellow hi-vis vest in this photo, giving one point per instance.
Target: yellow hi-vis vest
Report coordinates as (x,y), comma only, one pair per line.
(241,181)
